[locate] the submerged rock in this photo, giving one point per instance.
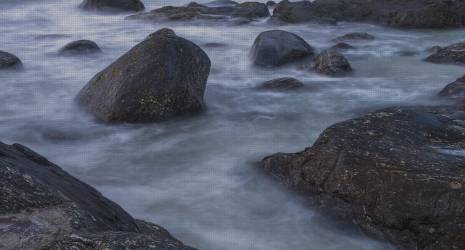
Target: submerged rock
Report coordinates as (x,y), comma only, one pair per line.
(331,62)
(161,77)
(113,5)
(281,84)
(397,13)
(80,47)
(218,3)
(277,47)
(355,36)
(342,46)
(452,54)
(8,60)
(401,169)
(43,207)
(246,12)
(455,90)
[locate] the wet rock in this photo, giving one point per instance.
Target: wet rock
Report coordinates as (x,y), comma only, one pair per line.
(80,47)
(355,36)
(277,47)
(113,5)
(397,13)
(194,11)
(434,49)
(394,168)
(342,46)
(222,3)
(452,54)
(455,90)
(331,62)
(281,84)
(8,60)
(214,45)
(43,207)
(161,77)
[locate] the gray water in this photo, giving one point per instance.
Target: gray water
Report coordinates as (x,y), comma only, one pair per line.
(196,176)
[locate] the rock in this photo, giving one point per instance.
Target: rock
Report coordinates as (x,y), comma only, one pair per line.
(43,207)
(331,62)
(80,47)
(8,60)
(280,84)
(194,11)
(277,47)
(222,3)
(113,5)
(270,3)
(161,77)
(397,13)
(342,46)
(214,45)
(398,170)
(452,54)
(434,49)
(455,90)
(355,36)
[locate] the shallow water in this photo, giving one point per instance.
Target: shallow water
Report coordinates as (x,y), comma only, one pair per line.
(195,176)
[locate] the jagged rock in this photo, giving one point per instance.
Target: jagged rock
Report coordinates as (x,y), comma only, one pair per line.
(113,5)
(8,60)
(161,77)
(43,207)
(281,84)
(331,62)
(402,170)
(452,54)
(277,47)
(80,47)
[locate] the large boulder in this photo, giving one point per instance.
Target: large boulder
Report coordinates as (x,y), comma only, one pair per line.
(113,5)
(397,13)
(277,47)
(452,54)
(331,62)
(43,207)
(161,77)
(244,12)
(402,170)
(80,47)
(8,60)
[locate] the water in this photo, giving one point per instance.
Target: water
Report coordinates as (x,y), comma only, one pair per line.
(196,176)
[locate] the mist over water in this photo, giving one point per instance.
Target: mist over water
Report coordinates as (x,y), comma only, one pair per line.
(196,176)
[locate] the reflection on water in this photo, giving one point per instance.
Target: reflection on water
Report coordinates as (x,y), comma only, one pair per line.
(196,176)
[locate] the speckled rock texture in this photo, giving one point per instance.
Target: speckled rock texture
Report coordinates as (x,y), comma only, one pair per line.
(331,62)
(162,77)
(452,54)
(43,207)
(401,169)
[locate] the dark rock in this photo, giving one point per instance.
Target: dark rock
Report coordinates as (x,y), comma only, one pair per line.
(277,47)
(280,84)
(80,47)
(43,207)
(397,13)
(113,5)
(161,77)
(8,60)
(434,49)
(270,3)
(455,90)
(221,3)
(331,62)
(397,169)
(452,54)
(355,36)
(194,11)
(214,45)
(342,46)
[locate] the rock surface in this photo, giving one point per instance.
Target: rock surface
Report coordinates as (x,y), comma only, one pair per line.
(342,46)
(397,13)
(161,77)
(331,62)
(277,47)
(43,207)
(452,54)
(8,60)
(239,13)
(401,169)
(80,47)
(113,5)
(455,91)
(281,84)
(354,36)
